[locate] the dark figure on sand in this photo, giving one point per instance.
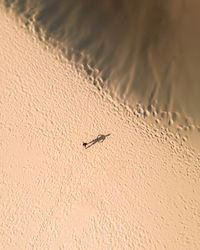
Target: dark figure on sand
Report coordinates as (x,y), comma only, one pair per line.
(100,138)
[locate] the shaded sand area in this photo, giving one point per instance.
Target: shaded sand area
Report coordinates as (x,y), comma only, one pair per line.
(138,189)
(138,51)
(145,51)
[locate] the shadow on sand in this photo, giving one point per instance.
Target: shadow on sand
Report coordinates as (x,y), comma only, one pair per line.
(100,138)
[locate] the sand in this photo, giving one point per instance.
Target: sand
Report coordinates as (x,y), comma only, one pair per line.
(138,189)
(145,51)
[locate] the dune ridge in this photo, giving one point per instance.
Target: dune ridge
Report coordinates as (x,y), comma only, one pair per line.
(138,189)
(142,53)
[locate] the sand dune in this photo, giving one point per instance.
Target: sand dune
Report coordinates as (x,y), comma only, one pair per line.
(138,51)
(147,51)
(138,189)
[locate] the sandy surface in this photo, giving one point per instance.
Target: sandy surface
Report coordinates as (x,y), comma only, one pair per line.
(145,51)
(139,189)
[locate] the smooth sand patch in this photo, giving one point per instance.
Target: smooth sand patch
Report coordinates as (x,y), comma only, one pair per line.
(138,189)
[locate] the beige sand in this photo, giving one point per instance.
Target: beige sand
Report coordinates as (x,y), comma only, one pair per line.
(139,189)
(146,51)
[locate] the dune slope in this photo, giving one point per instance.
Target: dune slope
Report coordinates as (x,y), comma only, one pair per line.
(138,189)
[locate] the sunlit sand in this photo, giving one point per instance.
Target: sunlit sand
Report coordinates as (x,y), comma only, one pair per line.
(136,189)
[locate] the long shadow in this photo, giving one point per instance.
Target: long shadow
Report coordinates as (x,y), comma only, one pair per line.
(100,138)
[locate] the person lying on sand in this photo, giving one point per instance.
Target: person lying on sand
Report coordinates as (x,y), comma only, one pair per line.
(100,138)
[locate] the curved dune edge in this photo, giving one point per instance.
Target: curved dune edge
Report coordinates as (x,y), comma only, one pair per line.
(138,189)
(47,20)
(154,59)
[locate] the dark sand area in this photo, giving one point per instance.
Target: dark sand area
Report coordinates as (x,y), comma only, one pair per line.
(141,52)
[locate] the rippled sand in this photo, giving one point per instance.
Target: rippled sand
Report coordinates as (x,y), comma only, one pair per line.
(141,52)
(138,189)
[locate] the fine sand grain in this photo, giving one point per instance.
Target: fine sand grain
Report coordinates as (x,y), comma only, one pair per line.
(138,189)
